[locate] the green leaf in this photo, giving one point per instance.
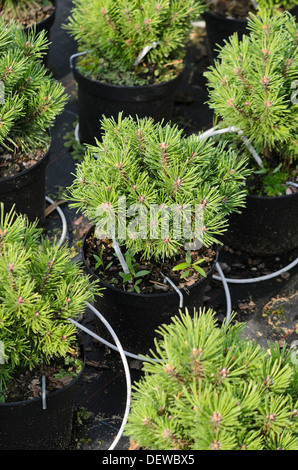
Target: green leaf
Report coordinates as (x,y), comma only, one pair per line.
(126,277)
(142,273)
(277,169)
(185,274)
(99,261)
(181,266)
(261,172)
(199,261)
(188,257)
(200,270)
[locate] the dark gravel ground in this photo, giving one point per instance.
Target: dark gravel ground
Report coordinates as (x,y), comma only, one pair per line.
(269,308)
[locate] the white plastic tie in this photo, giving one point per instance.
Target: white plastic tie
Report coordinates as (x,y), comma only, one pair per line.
(44,401)
(120,257)
(73,56)
(166,279)
(290,183)
(214,131)
(144,52)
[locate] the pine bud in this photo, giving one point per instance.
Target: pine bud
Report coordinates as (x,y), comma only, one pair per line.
(10,267)
(216,417)
(215,445)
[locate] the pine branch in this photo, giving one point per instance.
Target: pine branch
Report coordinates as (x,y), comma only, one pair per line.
(202,390)
(250,84)
(40,289)
(33,99)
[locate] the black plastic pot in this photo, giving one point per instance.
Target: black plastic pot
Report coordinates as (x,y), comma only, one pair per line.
(26,425)
(268,226)
(26,191)
(219,28)
(96,99)
(135,317)
(45,25)
(294,11)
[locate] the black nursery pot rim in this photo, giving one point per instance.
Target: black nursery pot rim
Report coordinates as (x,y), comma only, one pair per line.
(224,18)
(27,170)
(129,88)
(272,198)
(48,21)
(238,20)
(136,294)
(51,394)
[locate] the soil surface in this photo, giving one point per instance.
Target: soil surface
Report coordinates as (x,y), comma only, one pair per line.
(31,15)
(13,163)
(153,281)
(237,9)
(27,384)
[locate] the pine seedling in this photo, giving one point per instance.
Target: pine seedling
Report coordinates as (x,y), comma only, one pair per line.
(152,179)
(251,88)
(115,34)
(32,97)
(134,277)
(188,266)
(40,289)
(208,388)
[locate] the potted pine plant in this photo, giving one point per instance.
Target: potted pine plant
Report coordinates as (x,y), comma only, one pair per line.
(30,101)
(163,200)
(40,289)
(211,389)
(225,17)
(252,88)
(29,13)
(132,57)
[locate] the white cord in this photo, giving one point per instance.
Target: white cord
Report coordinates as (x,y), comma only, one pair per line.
(63,219)
(125,364)
(213,131)
(76,133)
(227,292)
(260,278)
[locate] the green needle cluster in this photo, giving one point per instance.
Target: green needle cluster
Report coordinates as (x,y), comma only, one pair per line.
(211,389)
(40,289)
